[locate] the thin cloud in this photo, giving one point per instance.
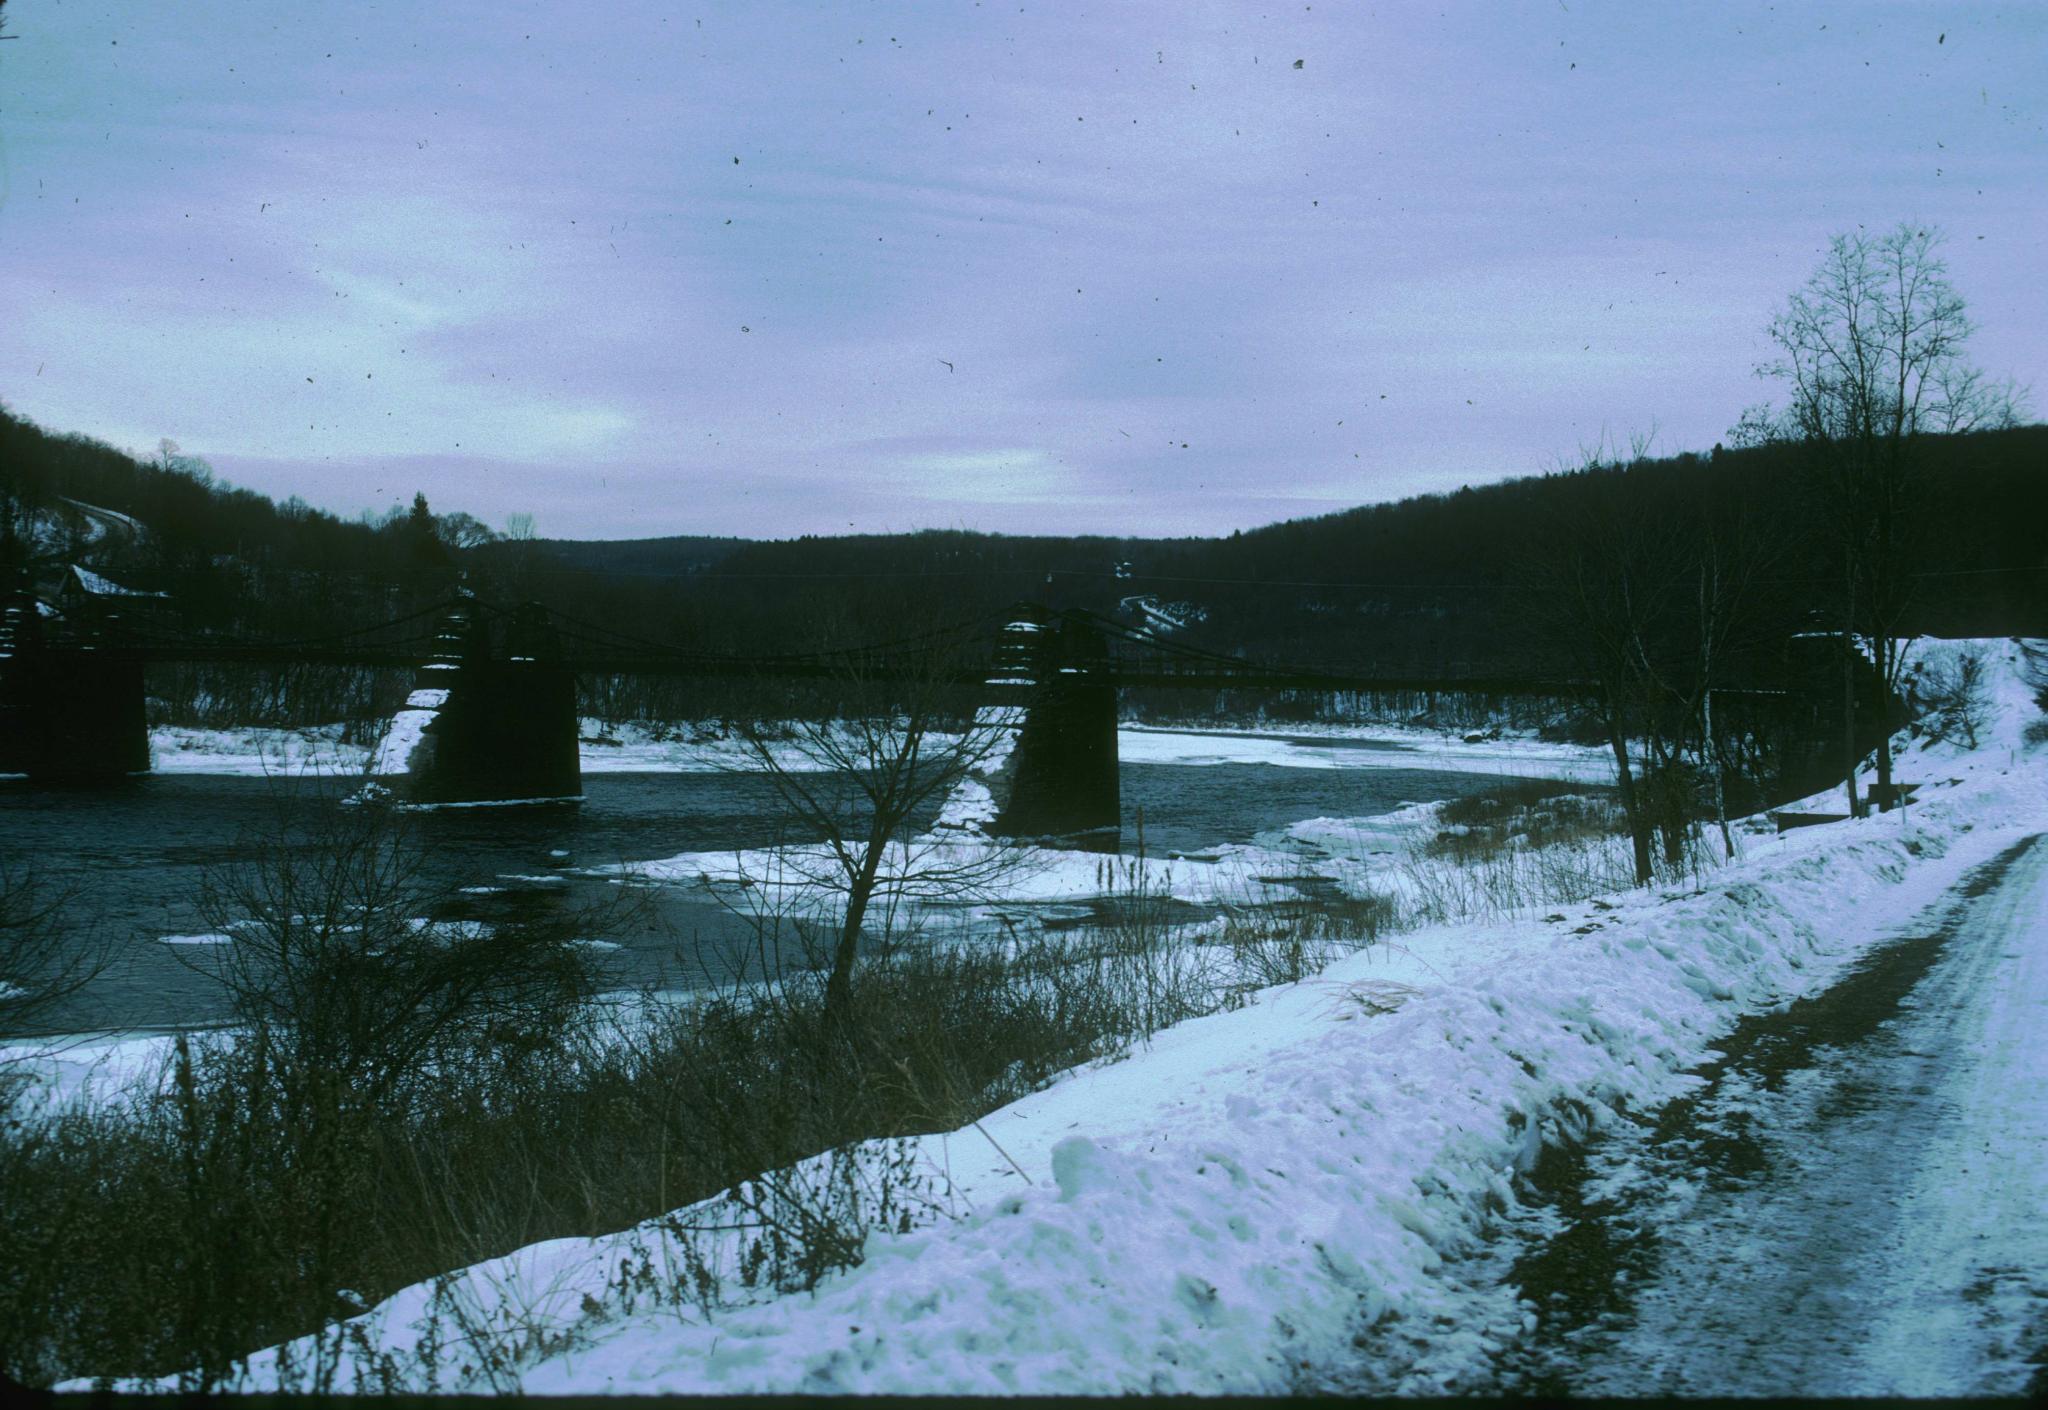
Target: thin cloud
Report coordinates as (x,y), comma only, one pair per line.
(1116,271)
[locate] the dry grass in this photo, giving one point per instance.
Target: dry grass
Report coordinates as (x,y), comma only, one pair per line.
(1528,844)
(255,1193)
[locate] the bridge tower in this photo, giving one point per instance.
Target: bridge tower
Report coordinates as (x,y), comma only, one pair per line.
(485,726)
(71,714)
(1050,680)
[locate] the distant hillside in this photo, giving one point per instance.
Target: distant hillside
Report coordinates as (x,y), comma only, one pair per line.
(678,556)
(229,557)
(1435,578)
(1430,578)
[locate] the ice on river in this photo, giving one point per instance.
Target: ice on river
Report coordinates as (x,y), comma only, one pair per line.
(642,748)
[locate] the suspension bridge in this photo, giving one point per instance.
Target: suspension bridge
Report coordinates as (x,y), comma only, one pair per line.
(492,714)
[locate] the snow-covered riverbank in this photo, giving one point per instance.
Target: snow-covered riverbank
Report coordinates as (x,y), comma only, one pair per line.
(1225,1209)
(1367,747)
(254,752)
(641,748)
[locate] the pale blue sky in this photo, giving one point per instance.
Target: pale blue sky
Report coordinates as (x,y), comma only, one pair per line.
(503,252)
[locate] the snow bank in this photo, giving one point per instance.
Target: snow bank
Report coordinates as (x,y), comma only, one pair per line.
(1223,1211)
(100,1068)
(1233,873)
(972,809)
(637,747)
(1386,834)
(1366,747)
(407,732)
(255,752)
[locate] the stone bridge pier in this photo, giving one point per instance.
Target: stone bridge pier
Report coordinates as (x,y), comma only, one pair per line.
(69,715)
(484,725)
(1056,774)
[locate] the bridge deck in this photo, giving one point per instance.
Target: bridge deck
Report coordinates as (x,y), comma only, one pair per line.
(1125,675)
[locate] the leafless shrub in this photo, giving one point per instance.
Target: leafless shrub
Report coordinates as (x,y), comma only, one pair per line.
(339,970)
(1287,943)
(333,1149)
(2034,666)
(1952,697)
(1529,813)
(1531,847)
(897,742)
(49,951)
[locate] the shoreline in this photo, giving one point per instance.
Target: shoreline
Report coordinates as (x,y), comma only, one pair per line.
(633,748)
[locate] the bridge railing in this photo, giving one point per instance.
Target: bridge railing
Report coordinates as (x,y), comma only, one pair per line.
(970,652)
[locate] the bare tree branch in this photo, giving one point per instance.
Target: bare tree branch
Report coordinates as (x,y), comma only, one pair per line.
(1870,351)
(888,744)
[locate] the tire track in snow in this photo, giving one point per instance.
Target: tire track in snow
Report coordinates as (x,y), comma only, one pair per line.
(1855,1201)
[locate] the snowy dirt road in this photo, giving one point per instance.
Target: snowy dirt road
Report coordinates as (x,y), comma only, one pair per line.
(1853,1202)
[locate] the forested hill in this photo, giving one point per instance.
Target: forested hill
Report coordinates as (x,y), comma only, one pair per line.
(227,556)
(1438,577)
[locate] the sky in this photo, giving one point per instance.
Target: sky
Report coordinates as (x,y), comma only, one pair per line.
(771,269)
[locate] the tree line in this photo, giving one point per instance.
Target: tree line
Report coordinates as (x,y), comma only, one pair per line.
(1429,571)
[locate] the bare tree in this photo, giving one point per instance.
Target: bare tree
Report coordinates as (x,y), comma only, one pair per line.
(1870,352)
(1730,562)
(520,556)
(462,530)
(1758,425)
(889,741)
(1649,600)
(1599,579)
(47,956)
(1952,698)
(337,962)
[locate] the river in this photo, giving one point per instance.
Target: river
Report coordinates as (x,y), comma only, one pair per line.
(140,854)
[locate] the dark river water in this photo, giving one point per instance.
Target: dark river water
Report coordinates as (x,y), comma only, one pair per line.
(139,855)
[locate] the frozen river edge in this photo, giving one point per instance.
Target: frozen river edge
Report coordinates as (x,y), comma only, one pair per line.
(637,748)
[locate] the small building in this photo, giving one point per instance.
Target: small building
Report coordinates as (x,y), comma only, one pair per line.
(85,596)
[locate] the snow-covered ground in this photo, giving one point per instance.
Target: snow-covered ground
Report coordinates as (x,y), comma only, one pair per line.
(639,748)
(407,729)
(1241,874)
(1337,747)
(634,748)
(1377,856)
(252,752)
(1229,1207)
(1857,1202)
(87,1067)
